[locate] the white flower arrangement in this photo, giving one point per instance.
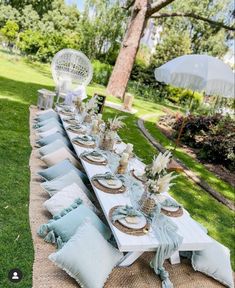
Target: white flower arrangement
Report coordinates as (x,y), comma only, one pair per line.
(160,185)
(115,124)
(159,165)
(91,106)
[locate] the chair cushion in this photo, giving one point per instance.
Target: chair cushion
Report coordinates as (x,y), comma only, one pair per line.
(87,257)
(49,125)
(51,138)
(65,227)
(57,144)
(54,186)
(46,116)
(214,261)
(50,132)
(60,155)
(66,197)
(60,169)
(50,121)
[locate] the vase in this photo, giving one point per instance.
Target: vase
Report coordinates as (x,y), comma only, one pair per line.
(88,118)
(107,141)
(147,203)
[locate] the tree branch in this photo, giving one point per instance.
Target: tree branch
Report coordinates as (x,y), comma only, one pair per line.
(129,5)
(156,6)
(195,16)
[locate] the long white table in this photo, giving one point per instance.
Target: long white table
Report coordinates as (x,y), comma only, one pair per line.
(194,238)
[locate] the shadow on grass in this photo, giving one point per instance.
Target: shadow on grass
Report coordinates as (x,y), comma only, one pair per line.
(23,91)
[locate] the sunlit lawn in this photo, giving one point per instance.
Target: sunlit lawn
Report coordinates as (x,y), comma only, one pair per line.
(19,82)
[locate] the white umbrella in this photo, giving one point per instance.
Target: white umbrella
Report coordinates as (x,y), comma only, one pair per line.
(198,72)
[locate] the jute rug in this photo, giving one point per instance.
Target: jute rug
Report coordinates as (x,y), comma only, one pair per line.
(138,275)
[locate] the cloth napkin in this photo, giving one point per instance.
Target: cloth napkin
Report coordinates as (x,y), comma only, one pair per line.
(85,138)
(123,212)
(105,176)
(93,153)
(166,233)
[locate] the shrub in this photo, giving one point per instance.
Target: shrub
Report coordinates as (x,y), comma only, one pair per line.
(102,72)
(213,135)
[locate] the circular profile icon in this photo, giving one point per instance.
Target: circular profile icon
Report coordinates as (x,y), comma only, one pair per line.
(15,275)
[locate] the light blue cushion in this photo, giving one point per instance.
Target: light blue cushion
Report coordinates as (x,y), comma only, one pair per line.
(49,126)
(58,170)
(87,257)
(214,261)
(47,121)
(57,144)
(46,116)
(51,138)
(72,176)
(65,227)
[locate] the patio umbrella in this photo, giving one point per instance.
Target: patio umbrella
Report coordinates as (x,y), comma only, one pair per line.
(198,73)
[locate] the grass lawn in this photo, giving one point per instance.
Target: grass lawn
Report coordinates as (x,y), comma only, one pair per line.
(19,82)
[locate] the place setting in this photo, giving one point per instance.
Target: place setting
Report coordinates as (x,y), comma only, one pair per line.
(67,111)
(77,128)
(86,141)
(108,183)
(94,157)
(129,220)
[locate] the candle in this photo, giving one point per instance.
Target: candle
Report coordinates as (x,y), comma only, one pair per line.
(129,148)
(125,157)
(95,126)
(99,116)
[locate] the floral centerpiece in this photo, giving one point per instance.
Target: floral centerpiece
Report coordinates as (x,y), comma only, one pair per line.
(158,181)
(109,132)
(90,109)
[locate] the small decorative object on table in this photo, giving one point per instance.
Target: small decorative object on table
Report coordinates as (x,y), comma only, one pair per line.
(45,99)
(95,127)
(90,110)
(157,183)
(109,133)
(129,149)
(123,163)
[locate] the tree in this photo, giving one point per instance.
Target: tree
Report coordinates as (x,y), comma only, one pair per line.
(172,45)
(142,10)
(10,32)
(101,28)
(8,13)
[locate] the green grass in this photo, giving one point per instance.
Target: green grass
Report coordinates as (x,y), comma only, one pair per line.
(200,170)
(19,82)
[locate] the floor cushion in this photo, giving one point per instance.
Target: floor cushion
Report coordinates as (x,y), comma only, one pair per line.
(87,257)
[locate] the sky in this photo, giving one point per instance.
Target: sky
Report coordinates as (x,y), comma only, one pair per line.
(78,2)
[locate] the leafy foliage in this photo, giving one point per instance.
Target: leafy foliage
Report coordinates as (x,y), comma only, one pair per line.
(101,72)
(172,45)
(10,31)
(213,135)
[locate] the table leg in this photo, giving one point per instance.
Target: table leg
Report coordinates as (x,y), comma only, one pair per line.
(175,258)
(130,258)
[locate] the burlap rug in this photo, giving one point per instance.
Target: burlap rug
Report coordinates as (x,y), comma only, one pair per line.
(138,275)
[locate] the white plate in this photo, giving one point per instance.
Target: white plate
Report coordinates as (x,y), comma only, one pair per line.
(170,209)
(113,184)
(141,223)
(100,158)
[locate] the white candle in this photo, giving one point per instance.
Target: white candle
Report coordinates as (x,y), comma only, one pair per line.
(129,148)
(125,157)
(99,116)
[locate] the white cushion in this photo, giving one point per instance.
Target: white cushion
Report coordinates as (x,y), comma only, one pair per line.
(44,111)
(59,155)
(87,257)
(214,261)
(49,125)
(64,198)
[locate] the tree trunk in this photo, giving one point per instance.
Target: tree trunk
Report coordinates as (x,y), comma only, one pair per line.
(123,67)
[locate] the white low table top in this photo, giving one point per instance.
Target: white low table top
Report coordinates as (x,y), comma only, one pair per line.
(194,238)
